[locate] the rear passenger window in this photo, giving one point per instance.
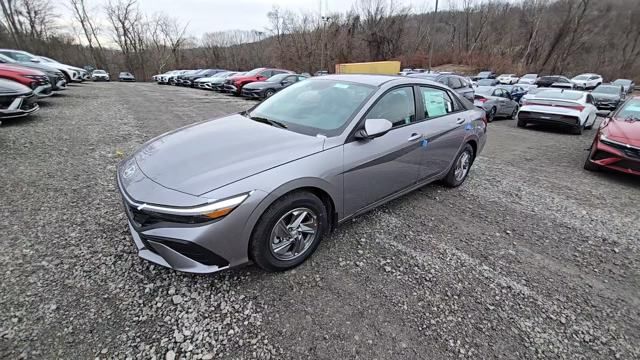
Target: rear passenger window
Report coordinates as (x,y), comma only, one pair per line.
(436,102)
(397,106)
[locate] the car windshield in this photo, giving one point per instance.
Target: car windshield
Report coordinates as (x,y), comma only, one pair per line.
(277,78)
(529,76)
(629,111)
(622,82)
(99,72)
(314,106)
(560,95)
(486,82)
(581,77)
(254,72)
(484,73)
(607,90)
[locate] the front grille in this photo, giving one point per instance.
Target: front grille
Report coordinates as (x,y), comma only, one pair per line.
(628,164)
(630,152)
(29,102)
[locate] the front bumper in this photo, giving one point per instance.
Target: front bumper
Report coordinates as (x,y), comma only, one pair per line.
(607,105)
(230,88)
(254,94)
(43,91)
(19,107)
(616,157)
(100,78)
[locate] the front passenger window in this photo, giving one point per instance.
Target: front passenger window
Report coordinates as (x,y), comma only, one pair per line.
(436,102)
(397,106)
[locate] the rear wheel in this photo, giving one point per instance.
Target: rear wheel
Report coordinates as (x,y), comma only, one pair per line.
(491,115)
(461,166)
(578,129)
(288,232)
(515,112)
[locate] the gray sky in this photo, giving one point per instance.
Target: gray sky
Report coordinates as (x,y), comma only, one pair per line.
(216,15)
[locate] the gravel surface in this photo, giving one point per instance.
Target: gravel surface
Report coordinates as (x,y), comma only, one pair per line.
(532,258)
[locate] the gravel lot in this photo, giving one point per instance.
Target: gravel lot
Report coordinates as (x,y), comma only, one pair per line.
(532,258)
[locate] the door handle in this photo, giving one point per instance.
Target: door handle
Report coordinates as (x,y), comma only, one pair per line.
(414,137)
(460,121)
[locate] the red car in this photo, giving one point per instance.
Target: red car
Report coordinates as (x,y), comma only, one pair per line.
(234,84)
(617,143)
(32,78)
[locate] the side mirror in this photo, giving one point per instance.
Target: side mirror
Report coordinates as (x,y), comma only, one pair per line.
(35,60)
(374,128)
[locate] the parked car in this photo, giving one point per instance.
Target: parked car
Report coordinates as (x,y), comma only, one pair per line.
(126,76)
(458,83)
(484,75)
(180,78)
(496,102)
(529,79)
(56,78)
(100,75)
(188,80)
(616,146)
(72,73)
(587,81)
(321,73)
(234,84)
(608,96)
(531,94)
(34,79)
(265,89)
(487,82)
(516,91)
(555,81)
(217,82)
(301,162)
(627,84)
(559,107)
(508,79)
(16,100)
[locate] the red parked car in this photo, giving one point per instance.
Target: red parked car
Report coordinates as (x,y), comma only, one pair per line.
(234,84)
(36,80)
(617,143)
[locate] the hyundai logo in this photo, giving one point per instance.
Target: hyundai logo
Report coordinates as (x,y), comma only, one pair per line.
(129,171)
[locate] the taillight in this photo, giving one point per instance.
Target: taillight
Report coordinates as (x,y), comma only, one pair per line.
(576,107)
(480,99)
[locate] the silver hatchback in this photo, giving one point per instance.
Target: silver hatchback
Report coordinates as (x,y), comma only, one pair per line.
(267,184)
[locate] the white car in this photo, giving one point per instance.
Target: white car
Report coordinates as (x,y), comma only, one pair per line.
(508,79)
(529,79)
(559,107)
(100,75)
(587,81)
(164,78)
(74,74)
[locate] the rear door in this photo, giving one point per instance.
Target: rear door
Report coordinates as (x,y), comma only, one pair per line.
(444,129)
(376,168)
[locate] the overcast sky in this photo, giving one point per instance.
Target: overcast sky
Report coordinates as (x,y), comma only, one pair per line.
(216,15)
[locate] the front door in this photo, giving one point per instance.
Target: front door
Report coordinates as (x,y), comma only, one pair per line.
(376,168)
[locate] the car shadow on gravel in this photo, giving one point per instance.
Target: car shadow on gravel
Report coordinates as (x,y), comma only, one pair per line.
(19,121)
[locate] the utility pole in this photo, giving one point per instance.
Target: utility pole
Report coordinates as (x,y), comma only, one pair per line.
(431,35)
(325,20)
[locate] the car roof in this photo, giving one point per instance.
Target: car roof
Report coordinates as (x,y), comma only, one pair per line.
(379,80)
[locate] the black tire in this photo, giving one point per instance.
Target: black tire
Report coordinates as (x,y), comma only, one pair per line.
(521,123)
(491,115)
(578,130)
(259,246)
(269,93)
(450,180)
(588,165)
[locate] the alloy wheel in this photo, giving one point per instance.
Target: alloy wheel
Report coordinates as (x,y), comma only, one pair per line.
(293,234)
(462,166)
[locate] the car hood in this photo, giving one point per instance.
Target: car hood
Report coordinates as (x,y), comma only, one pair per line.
(8,87)
(260,85)
(205,156)
(627,132)
(605,96)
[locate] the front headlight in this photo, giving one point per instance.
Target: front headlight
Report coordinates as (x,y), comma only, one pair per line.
(214,210)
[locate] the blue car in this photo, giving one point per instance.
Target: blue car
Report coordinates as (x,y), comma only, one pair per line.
(516,91)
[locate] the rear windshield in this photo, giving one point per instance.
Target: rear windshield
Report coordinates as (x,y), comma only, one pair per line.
(622,82)
(582,77)
(529,76)
(486,82)
(561,95)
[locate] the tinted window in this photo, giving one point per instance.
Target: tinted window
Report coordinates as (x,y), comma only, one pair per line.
(581,77)
(558,94)
(607,89)
(590,99)
(436,102)
(315,106)
(397,106)
(630,109)
(277,78)
(454,82)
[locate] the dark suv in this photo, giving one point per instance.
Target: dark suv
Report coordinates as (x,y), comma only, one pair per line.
(189,79)
(234,84)
(557,81)
(458,83)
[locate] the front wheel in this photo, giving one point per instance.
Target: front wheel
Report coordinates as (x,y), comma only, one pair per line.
(491,115)
(588,165)
(515,111)
(461,166)
(288,232)
(269,93)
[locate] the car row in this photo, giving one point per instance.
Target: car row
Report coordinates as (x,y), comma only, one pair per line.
(25,78)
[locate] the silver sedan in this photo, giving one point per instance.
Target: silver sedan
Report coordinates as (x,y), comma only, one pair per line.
(496,102)
(266,185)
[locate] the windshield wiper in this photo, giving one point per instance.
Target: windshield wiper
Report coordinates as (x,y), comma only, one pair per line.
(268,121)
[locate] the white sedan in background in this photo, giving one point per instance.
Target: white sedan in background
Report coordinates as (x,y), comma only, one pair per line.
(508,79)
(587,81)
(558,107)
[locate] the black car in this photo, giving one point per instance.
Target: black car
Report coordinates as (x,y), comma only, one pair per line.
(126,76)
(16,100)
(458,83)
(608,96)
(189,79)
(484,75)
(558,81)
(264,89)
